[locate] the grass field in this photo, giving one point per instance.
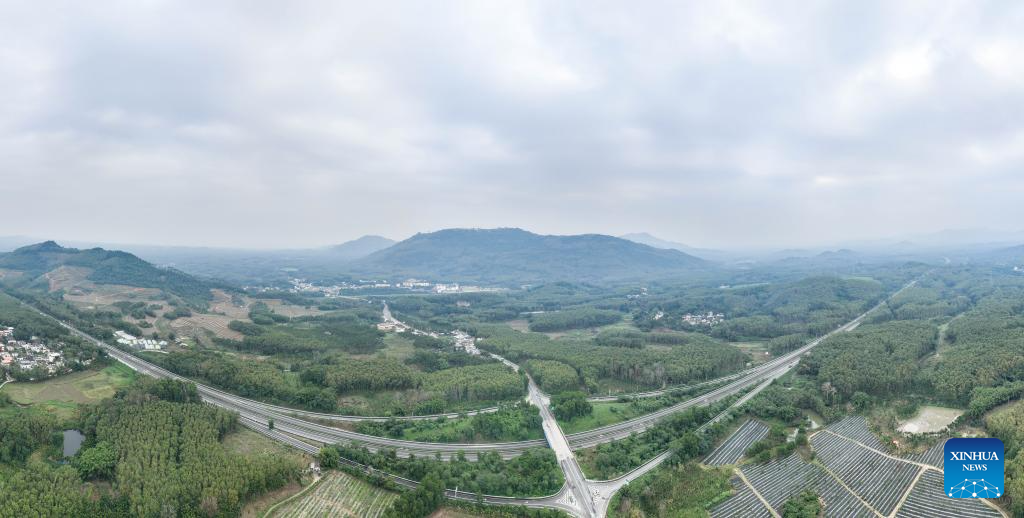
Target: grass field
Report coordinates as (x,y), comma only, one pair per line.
(397,346)
(250,443)
(61,395)
(338,494)
(604,414)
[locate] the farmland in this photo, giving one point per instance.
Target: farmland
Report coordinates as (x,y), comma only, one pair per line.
(338,494)
(851,479)
(61,395)
(730,451)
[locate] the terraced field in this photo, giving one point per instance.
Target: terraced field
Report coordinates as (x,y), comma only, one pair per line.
(881,481)
(856,428)
(339,495)
(932,457)
(926,500)
(730,451)
(782,479)
(742,504)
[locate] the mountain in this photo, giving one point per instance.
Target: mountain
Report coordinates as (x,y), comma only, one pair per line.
(704,253)
(512,256)
(103,267)
(362,247)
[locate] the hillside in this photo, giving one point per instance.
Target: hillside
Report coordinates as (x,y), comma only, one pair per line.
(704,253)
(104,267)
(511,255)
(361,247)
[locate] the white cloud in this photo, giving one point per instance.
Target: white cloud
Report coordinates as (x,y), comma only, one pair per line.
(727,122)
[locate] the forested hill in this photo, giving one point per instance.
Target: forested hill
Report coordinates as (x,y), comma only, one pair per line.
(105,267)
(510,255)
(361,247)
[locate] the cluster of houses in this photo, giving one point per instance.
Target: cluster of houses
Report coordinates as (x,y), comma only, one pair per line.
(465,342)
(336,290)
(28,355)
(703,319)
(145,344)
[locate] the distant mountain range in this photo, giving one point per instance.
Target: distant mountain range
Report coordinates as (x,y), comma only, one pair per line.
(103,267)
(362,247)
(512,255)
(704,253)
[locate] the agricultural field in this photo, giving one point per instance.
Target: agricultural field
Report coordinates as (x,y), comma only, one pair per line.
(78,289)
(61,395)
(847,475)
(758,351)
(926,500)
(879,480)
(337,494)
(779,480)
(250,443)
(744,503)
(195,324)
(732,449)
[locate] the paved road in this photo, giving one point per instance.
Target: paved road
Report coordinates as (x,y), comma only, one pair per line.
(579,496)
(261,412)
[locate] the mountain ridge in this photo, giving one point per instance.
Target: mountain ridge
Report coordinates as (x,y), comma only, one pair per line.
(510,255)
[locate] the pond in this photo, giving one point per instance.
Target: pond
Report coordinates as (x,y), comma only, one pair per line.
(72,442)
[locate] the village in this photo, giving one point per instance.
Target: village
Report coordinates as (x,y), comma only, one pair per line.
(336,290)
(28,356)
(708,319)
(143,344)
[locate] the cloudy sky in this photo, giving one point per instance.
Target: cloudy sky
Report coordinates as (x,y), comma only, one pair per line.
(290,124)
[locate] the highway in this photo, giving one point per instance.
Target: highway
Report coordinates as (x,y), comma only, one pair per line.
(579,496)
(261,412)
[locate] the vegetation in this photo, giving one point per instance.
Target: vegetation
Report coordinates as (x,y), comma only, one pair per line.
(682,490)
(573,319)
(513,257)
(517,422)
(676,432)
(534,473)
(338,494)
(699,360)
(421,502)
(158,457)
(552,376)
(804,505)
(570,405)
(877,359)
(775,445)
(107,267)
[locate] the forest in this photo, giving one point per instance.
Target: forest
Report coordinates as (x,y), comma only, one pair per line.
(534,473)
(511,422)
(700,359)
(576,318)
(158,457)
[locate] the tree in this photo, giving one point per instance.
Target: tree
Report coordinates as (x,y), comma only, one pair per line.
(96,462)
(329,457)
(570,405)
(270,423)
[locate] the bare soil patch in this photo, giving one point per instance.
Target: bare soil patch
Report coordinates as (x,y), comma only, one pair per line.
(930,419)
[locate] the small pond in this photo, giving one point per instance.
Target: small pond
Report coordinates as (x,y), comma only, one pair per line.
(72,442)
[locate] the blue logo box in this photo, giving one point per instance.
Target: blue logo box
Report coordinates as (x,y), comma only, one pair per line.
(973,468)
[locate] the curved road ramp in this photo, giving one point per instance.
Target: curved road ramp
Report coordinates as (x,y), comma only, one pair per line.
(730,451)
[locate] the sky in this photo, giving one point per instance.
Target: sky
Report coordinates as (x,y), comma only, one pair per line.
(725,124)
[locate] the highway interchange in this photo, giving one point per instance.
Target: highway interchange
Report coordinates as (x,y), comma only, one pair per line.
(579,496)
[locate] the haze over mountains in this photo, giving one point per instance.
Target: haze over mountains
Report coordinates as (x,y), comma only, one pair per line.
(515,255)
(511,256)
